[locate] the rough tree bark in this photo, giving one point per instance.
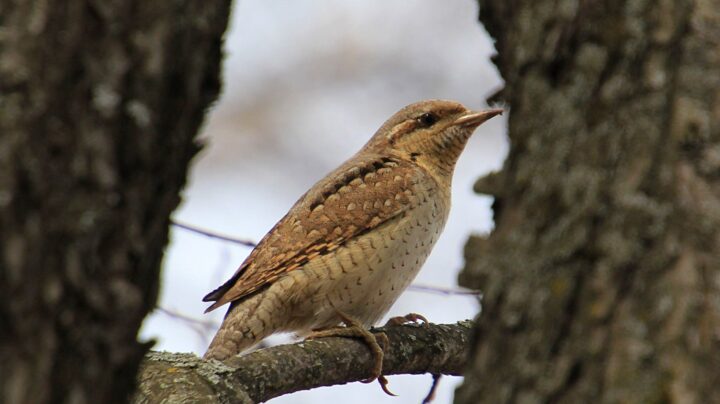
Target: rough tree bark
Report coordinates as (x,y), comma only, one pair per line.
(100,102)
(601,279)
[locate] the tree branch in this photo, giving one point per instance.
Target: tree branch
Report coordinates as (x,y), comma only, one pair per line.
(279,370)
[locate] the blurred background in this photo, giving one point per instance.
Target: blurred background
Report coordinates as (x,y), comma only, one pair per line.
(306,85)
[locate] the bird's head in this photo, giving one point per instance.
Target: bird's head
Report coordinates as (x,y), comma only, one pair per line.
(431,133)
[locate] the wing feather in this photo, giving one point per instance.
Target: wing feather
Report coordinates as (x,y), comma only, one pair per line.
(358,196)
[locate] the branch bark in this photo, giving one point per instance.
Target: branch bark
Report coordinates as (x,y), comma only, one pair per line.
(271,372)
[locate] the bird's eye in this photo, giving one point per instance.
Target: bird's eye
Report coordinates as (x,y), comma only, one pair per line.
(427,119)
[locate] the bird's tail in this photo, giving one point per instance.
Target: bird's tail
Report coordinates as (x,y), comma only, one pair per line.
(242,329)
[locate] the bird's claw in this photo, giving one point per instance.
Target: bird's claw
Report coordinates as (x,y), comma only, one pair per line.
(353,328)
(384,385)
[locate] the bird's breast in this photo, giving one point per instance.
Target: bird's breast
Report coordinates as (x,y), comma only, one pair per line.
(364,277)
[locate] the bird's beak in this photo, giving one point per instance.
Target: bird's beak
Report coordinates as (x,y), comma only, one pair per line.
(475,118)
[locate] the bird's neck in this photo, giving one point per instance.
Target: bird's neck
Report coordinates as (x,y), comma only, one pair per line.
(440,154)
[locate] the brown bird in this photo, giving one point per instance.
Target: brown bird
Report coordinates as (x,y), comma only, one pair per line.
(353,242)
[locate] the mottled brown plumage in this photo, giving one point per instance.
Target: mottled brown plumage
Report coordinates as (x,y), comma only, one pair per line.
(356,239)
(355,198)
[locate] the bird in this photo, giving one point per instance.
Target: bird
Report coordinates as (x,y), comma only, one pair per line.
(346,250)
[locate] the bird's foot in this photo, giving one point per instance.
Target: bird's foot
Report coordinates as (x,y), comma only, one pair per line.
(353,329)
(408,318)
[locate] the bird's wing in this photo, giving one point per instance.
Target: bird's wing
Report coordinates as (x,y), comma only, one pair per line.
(355,198)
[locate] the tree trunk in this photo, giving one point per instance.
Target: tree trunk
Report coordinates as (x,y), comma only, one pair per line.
(100,102)
(600,280)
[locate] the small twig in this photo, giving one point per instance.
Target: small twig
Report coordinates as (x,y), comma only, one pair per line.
(211,234)
(433,389)
(443,291)
(208,324)
(203,328)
